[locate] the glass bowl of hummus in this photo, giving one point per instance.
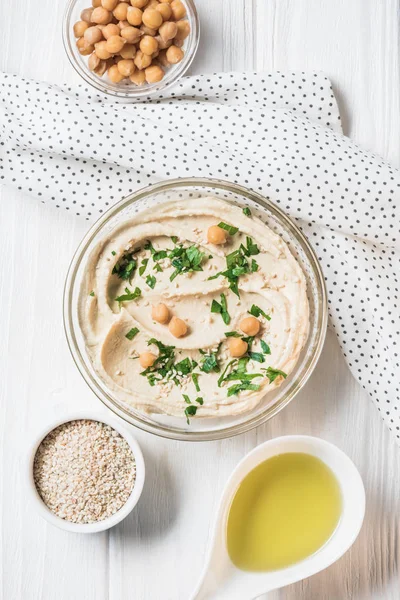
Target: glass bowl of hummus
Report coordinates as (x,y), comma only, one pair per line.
(195,309)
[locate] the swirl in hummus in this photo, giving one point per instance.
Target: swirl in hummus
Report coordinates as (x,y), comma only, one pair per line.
(163,256)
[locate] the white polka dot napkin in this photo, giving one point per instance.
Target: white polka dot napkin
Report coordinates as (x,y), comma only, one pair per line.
(277,133)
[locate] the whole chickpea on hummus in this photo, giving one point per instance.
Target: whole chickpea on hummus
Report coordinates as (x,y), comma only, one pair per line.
(194,307)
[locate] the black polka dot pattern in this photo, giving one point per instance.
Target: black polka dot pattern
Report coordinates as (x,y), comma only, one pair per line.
(278,134)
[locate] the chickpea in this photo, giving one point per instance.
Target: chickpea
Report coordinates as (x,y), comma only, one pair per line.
(93,62)
(165,1)
(138,77)
(93,35)
(126,66)
(178,43)
(162,45)
(114,44)
(237,347)
(183,30)
(148,31)
(142,61)
(177,327)
(168,30)
(120,11)
(152,4)
(139,3)
(154,73)
(86,15)
(147,359)
(175,55)
(178,10)
(148,45)
(215,235)
(160,312)
(123,24)
(131,34)
(101,15)
(96,3)
(84,48)
(80,28)
(152,18)
(162,58)
(109,4)
(110,29)
(250,326)
(128,51)
(134,16)
(101,68)
(165,11)
(114,75)
(101,50)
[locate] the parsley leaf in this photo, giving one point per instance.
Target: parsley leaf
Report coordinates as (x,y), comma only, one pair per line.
(128,296)
(174,238)
(131,333)
(210,362)
(256,311)
(195,378)
(151,281)
(143,266)
(265,348)
(229,228)
(272,374)
(91,293)
(125,267)
(232,334)
(187,399)
(247,211)
(157,268)
(113,252)
(257,356)
(221,309)
(254,266)
(200,401)
(185,260)
(190,411)
(239,387)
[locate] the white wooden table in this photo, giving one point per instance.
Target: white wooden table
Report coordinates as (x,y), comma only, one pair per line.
(157,553)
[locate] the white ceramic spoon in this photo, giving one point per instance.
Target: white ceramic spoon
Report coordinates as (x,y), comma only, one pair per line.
(221,580)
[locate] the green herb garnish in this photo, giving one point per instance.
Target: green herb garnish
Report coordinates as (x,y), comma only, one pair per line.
(238,264)
(256,311)
(221,309)
(174,238)
(151,281)
(247,211)
(254,266)
(272,374)
(91,293)
(157,268)
(195,379)
(113,252)
(257,356)
(210,361)
(185,260)
(128,296)
(239,387)
(232,334)
(265,348)
(131,333)
(190,411)
(229,228)
(125,267)
(143,266)
(187,399)
(200,401)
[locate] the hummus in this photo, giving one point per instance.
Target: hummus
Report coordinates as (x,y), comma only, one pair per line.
(145,261)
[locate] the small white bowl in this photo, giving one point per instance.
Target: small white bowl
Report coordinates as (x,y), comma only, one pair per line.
(124,511)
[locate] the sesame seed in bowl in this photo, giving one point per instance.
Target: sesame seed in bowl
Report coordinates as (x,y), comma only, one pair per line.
(86,473)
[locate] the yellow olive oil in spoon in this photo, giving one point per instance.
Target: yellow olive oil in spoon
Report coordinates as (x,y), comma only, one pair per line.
(283,511)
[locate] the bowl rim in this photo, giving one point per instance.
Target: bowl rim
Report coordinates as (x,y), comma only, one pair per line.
(138,92)
(45,512)
(104,397)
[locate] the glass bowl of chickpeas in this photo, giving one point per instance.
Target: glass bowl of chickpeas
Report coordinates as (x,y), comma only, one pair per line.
(131,48)
(153,197)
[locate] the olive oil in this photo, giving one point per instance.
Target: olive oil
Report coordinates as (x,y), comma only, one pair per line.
(283,511)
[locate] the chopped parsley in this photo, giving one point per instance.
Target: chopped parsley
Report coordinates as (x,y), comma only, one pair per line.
(256,311)
(257,356)
(221,309)
(151,281)
(190,411)
(265,348)
(185,260)
(91,293)
(131,333)
(209,362)
(232,334)
(125,267)
(128,296)
(272,374)
(174,238)
(247,211)
(195,379)
(158,268)
(237,263)
(113,252)
(165,367)
(143,266)
(187,399)
(229,228)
